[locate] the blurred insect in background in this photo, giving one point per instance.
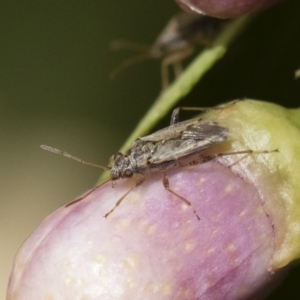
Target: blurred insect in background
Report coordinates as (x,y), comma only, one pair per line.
(176,42)
(178,145)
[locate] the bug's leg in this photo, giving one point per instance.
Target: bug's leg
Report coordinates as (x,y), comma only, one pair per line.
(88,193)
(128,63)
(176,111)
(167,187)
(128,45)
(207,158)
(177,68)
(164,75)
(249,151)
(138,182)
(252,152)
(142,54)
(173,59)
(239,159)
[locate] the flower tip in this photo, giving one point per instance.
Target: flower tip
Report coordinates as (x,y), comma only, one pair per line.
(225,9)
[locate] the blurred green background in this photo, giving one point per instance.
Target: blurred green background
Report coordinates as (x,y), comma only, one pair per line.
(54,90)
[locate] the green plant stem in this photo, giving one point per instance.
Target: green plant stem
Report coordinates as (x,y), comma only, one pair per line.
(184,83)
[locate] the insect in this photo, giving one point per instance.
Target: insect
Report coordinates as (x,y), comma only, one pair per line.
(181,144)
(176,42)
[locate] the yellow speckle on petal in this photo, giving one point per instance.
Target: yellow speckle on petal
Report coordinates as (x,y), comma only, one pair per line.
(190,246)
(176,189)
(149,287)
(210,251)
(85,297)
(124,223)
(236,262)
(202,180)
(151,230)
(165,288)
(214,232)
(100,259)
(231,247)
(186,229)
(131,284)
(177,268)
(259,210)
(67,264)
(184,207)
(73,281)
(242,213)
(187,294)
(217,217)
(146,227)
(131,262)
(142,224)
(172,253)
(48,297)
(134,199)
(228,189)
(20,266)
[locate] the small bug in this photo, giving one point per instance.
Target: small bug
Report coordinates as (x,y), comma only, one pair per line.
(176,42)
(181,144)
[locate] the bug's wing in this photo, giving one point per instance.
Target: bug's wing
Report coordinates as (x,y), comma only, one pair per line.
(171,132)
(206,130)
(193,140)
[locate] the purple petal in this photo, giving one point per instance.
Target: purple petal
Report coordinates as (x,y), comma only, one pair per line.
(152,246)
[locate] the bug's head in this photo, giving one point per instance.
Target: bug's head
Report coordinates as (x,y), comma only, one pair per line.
(121,167)
(172,38)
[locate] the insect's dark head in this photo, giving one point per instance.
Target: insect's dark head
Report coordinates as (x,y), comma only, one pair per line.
(175,36)
(121,167)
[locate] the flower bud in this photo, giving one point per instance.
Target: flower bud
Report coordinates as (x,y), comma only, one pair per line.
(225,9)
(152,246)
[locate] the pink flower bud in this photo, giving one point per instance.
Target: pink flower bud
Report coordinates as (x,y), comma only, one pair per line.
(152,246)
(225,9)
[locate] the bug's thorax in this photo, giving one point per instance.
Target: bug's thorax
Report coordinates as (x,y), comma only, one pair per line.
(134,161)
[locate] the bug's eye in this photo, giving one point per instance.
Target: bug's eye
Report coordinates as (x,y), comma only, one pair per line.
(128,173)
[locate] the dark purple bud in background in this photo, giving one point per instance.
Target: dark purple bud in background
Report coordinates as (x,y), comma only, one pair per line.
(225,9)
(153,247)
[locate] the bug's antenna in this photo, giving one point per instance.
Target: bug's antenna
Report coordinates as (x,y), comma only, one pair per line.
(128,63)
(66,154)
